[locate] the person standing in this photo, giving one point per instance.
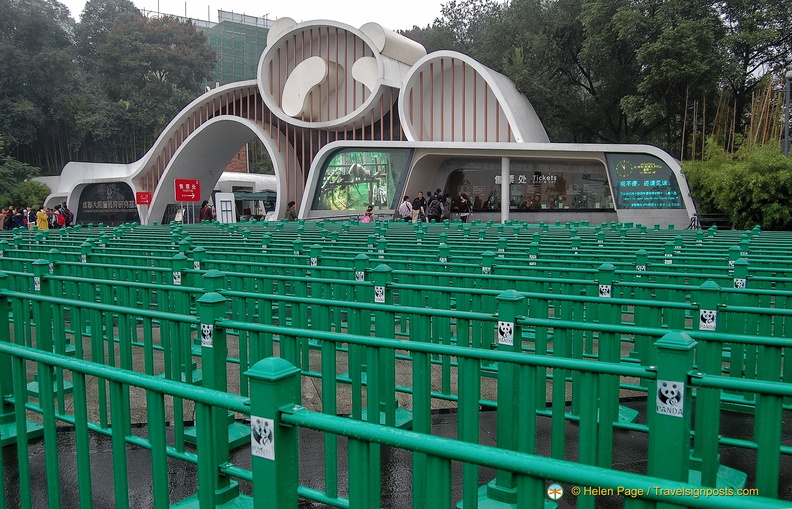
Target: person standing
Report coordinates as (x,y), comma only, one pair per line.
(291,211)
(206,211)
(465,210)
(446,200)
(31,217)
(435,211)
(405,209)
(19,218)
(42,219)
(8,219)
(418,208)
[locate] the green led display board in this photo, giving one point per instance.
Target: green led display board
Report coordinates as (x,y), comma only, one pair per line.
(643,181)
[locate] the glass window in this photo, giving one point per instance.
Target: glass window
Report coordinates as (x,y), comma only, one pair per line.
(355,178)
(533,185)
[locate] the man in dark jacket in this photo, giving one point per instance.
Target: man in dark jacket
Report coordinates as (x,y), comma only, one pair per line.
(419,208)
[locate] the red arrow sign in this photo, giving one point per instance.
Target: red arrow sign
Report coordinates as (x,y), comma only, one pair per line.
(143,198)
(187,189)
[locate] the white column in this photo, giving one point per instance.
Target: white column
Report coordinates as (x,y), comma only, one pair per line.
(505,173)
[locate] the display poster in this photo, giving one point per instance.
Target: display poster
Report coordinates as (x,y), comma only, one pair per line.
(643,181)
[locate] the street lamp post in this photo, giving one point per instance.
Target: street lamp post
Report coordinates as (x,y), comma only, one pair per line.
(788,88)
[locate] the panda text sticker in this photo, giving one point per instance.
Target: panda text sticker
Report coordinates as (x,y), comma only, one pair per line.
(505,333)
(262,437)
(379,294)
(708,319)
(670,398)
(207,335)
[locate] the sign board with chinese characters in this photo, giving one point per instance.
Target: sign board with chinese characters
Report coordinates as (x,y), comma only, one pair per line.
(187,189)
(109,203)
(143,198)
(643,181)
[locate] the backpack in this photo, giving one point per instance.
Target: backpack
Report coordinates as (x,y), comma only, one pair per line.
(60,218)
(8,221)
(436,208)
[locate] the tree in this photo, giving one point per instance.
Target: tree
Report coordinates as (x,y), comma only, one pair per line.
(148,69)
(98,17)
(757,41)
(676,49)
(13,177)
(28,193)
(35,74)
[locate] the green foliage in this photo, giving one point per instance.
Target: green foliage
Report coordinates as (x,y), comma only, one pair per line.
(30,192)
(752,186)
(15,188)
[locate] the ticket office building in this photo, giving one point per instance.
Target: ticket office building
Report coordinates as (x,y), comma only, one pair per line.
(531,182)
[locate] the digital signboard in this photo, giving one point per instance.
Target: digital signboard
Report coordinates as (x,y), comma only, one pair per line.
(643,181)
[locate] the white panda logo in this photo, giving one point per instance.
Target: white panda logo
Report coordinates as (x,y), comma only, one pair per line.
(669,393)
(605,291)
(379,294)
(177,277)
(486,270)
(360,275)
(708,319)
(740,283)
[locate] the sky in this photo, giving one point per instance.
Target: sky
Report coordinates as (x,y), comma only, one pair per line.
(402,15)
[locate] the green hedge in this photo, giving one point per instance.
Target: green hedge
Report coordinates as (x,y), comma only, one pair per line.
(752,186)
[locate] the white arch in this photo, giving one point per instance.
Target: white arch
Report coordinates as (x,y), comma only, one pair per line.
(205,154)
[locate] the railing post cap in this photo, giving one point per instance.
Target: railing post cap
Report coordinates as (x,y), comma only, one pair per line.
(676,341)
(180,256)
(607,266)
(213,274)
(710,286)
(199,249)
(41,262)
(510,295)
(741,262)
(361,256)
(272,369)
(211,298)
(382,268)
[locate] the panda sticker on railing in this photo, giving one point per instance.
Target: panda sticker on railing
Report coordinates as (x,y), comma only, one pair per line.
(708,319)
(505,333)
(670,398)
(262,437)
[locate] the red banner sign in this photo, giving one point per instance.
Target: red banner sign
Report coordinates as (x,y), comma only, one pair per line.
(187,189)
(143,198)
